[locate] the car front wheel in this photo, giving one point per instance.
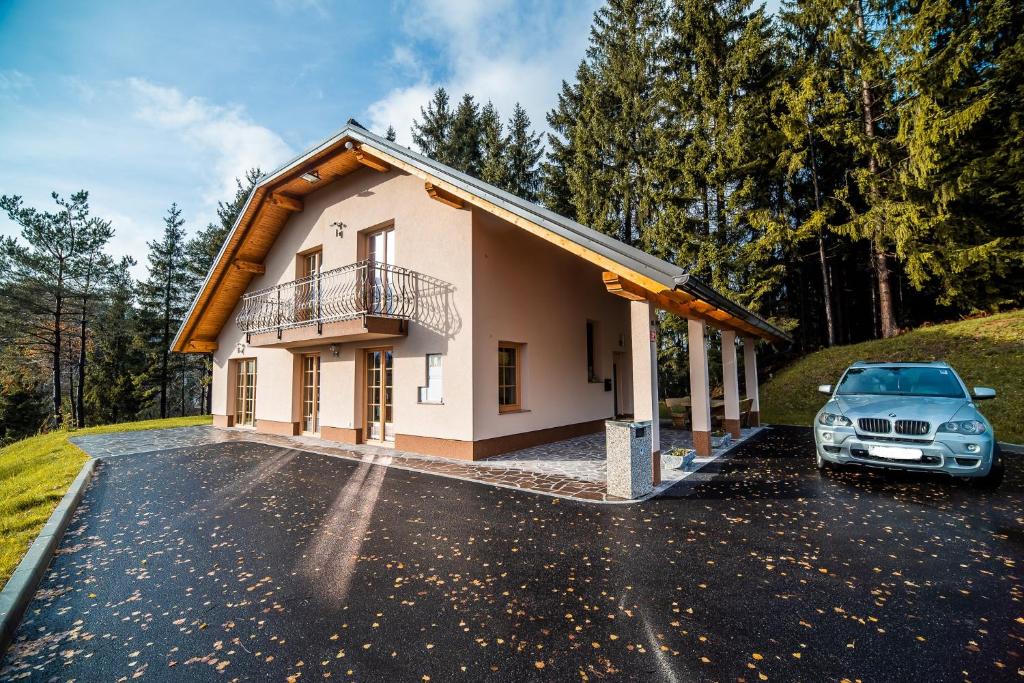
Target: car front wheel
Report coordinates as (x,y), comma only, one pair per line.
(994,478)
(821,463)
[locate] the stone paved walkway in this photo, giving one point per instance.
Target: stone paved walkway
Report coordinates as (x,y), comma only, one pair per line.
(573,468)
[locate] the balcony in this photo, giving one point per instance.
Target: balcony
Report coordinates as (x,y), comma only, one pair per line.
(364,300)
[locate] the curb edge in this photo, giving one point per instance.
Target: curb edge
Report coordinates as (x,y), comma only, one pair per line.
(19,590)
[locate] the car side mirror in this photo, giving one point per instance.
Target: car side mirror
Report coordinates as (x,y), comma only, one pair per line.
(983,393)
(825,389)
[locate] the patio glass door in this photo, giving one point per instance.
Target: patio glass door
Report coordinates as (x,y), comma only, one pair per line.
(311,393)
(379,378)
(245,396)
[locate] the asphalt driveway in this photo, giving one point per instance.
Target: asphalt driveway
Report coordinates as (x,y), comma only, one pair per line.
(242,561)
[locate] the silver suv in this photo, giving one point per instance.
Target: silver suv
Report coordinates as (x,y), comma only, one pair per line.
(912,416)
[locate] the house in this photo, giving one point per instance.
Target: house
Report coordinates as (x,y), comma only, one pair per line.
(368,294)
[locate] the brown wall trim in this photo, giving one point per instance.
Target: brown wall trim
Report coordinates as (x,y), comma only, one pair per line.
(486,448)
(276,427)
(223,421)
(342,434)
(428,445)
(702,443)
(733,427)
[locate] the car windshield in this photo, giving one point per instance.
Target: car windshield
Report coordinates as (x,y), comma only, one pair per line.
(901,381)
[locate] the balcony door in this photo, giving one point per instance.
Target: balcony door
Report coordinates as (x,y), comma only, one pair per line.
(379,397)
(245,392)
(380,252)
(307,293)
(311,394)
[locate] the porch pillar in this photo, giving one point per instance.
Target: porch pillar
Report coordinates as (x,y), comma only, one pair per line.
(750,378)
(644,350)
(700,387)
(731,383)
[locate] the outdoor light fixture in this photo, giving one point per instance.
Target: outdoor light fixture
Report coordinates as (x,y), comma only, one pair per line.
(334,350)
(311,177)
(240,347)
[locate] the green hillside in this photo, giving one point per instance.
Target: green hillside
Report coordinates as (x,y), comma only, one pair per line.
(985,351)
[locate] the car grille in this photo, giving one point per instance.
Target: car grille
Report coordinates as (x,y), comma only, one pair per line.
(912,427)
(876,425)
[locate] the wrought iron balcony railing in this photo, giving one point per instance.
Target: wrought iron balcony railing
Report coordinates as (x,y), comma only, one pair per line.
(346,293)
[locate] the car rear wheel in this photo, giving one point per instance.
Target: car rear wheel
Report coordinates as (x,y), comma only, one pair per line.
(994,478)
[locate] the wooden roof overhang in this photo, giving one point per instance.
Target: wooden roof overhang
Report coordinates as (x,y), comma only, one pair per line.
(627,272)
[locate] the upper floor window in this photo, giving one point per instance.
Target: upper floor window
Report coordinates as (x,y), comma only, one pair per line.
(380,246)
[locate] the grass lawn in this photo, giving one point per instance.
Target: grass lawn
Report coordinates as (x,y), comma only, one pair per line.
(986,352)
(34,475)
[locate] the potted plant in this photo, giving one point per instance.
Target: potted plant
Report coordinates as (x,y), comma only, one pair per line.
(679,458)
(720,438)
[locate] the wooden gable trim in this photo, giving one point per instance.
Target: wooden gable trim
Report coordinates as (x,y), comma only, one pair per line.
(443,197)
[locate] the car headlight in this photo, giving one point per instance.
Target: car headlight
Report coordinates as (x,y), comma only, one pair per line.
(833,420)
(963,427)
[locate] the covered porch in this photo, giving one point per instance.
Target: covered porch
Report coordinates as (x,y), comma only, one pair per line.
(706,313)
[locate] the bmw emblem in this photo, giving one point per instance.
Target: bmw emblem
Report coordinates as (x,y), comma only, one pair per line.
(892,414)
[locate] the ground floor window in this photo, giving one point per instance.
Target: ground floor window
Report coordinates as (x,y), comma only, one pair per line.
(311,393)
(245,388)
(509,376)
(432,393)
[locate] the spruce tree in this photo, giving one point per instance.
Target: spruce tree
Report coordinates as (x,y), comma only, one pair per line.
(164,298)
(523,151)
(431,137)
(391,135)
(562,143)
(462,147)
(613,136)
(116,374)
(493,168)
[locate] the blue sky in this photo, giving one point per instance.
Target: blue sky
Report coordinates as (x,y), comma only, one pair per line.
(148,103)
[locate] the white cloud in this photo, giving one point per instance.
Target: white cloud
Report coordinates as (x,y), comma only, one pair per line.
(12,82)
(224,136)
(137,147)
(497,50)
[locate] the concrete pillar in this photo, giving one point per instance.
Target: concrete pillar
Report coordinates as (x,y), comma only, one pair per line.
(750,379)
(731,383)
(700,387)
(644,348)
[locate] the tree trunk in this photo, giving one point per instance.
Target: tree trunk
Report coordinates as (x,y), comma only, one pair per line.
(826,286)
(80,394)
(879,260)
(209,384)
(57,369)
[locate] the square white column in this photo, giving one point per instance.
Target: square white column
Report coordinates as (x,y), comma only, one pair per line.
(731,383)
(644,350)
(750,378)
(700,386)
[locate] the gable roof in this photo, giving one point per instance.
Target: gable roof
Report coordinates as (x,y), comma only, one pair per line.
(630,272)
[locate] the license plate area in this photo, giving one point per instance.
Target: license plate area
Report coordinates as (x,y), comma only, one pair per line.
(895,453)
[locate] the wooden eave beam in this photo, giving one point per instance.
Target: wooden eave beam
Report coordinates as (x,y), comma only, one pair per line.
(201,346)
(286,202)
(250,267)
(668,300)
(441,196)
(371,162)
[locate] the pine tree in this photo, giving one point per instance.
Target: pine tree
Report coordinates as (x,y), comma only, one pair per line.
(91,272)
(523,151)
(431,137)
(164,297)
(391,135)
(39,279)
